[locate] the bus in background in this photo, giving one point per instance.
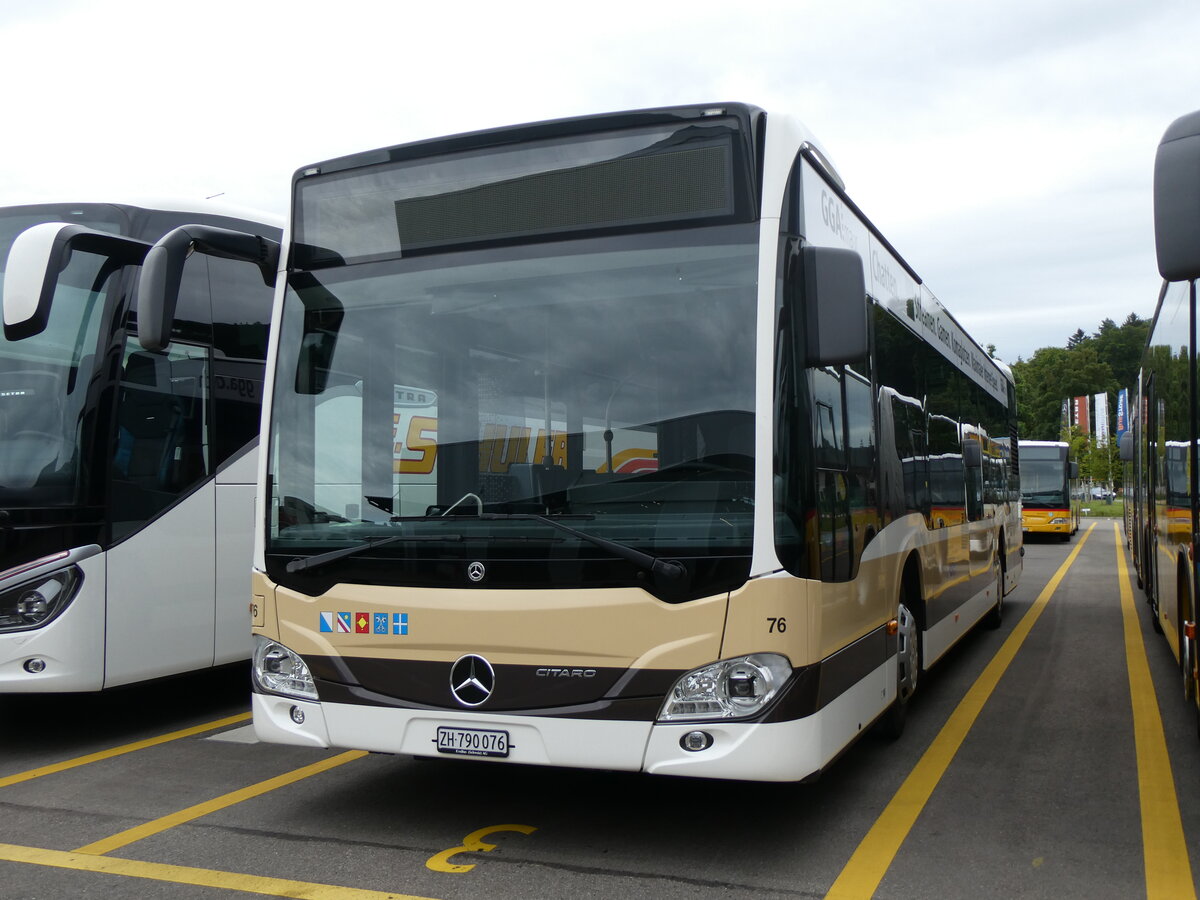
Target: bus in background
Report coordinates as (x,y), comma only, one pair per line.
(1050,490)
(608,442)
(126,477)
(1162,445)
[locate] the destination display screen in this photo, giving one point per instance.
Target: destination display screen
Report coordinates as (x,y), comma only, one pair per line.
(629,179)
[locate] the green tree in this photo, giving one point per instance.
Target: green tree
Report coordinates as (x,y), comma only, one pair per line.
(1051,376)
(1107,360)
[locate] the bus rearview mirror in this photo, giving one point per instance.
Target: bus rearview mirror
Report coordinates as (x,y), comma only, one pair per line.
(1127,447)
(162,272)
(1177,200)
(836,299)
(38,257)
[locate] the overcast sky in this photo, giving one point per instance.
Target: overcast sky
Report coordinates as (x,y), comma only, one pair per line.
(1004,148)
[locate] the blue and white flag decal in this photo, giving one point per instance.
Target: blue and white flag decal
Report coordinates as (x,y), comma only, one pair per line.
(399,623)
(326,623)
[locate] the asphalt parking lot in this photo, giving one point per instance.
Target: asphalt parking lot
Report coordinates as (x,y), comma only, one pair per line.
(1054,757)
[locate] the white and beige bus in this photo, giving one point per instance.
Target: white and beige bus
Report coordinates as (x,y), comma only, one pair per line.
(610,442)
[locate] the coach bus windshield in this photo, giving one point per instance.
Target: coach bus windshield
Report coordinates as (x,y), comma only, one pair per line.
(45,379)
(607,382)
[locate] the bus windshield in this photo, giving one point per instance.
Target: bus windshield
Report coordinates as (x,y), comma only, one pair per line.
(45,381)
(1043,481)
(607,381)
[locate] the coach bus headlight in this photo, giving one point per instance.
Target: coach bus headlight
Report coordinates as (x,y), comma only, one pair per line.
(1058,520)
(730,689)
(39,600)
(277,670)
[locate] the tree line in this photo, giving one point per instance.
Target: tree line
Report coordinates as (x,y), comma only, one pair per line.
(1107,361)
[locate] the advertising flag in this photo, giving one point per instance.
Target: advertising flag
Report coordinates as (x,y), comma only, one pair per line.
(1122,412)
(1082,422)
(1102,419)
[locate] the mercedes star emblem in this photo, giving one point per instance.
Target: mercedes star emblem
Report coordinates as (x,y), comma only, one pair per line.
(472,680)
(476,571)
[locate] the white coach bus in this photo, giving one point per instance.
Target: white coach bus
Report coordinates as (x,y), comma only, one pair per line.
(126,477)
(610,442)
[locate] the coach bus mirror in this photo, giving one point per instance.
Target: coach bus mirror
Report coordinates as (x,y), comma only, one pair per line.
(162,272)
(972,454)
(1126,449)
(836,295)
(38,257)
(1177,200)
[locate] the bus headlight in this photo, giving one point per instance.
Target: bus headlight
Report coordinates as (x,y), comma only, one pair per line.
(277,670)
(1058,520)
(39,600)
(729,689)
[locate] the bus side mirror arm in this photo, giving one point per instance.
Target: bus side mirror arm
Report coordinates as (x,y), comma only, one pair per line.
(162,272)
(36,259)
(1126,447)
(836,298)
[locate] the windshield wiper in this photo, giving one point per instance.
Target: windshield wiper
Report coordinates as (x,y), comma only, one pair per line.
(663,568)
(311,562)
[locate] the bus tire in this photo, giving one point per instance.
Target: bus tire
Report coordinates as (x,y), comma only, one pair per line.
(908,671)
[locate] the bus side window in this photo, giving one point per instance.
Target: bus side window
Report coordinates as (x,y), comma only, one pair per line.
(162,442)
(241,308)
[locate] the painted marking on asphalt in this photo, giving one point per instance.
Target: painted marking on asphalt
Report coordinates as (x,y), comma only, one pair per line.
(139,832)
(242,735)
(1168,871)
(473,842)
(870,861)
(6,780)
(231,881)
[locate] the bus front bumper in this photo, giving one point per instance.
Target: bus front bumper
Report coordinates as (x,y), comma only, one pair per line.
(781,751)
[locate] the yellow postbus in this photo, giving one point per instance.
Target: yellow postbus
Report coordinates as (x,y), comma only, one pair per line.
(1050,491)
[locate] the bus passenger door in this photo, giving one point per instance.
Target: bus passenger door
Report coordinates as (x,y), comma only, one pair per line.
(162,508)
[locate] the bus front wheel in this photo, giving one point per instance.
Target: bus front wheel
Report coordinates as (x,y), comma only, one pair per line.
(908,671)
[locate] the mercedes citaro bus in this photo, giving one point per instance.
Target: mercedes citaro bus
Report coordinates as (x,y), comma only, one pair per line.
(1051,500)
(611,442)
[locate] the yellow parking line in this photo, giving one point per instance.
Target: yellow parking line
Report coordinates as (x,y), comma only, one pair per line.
(1168,871)
(6,780)
(232,881)
(869,863)
(139,832)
